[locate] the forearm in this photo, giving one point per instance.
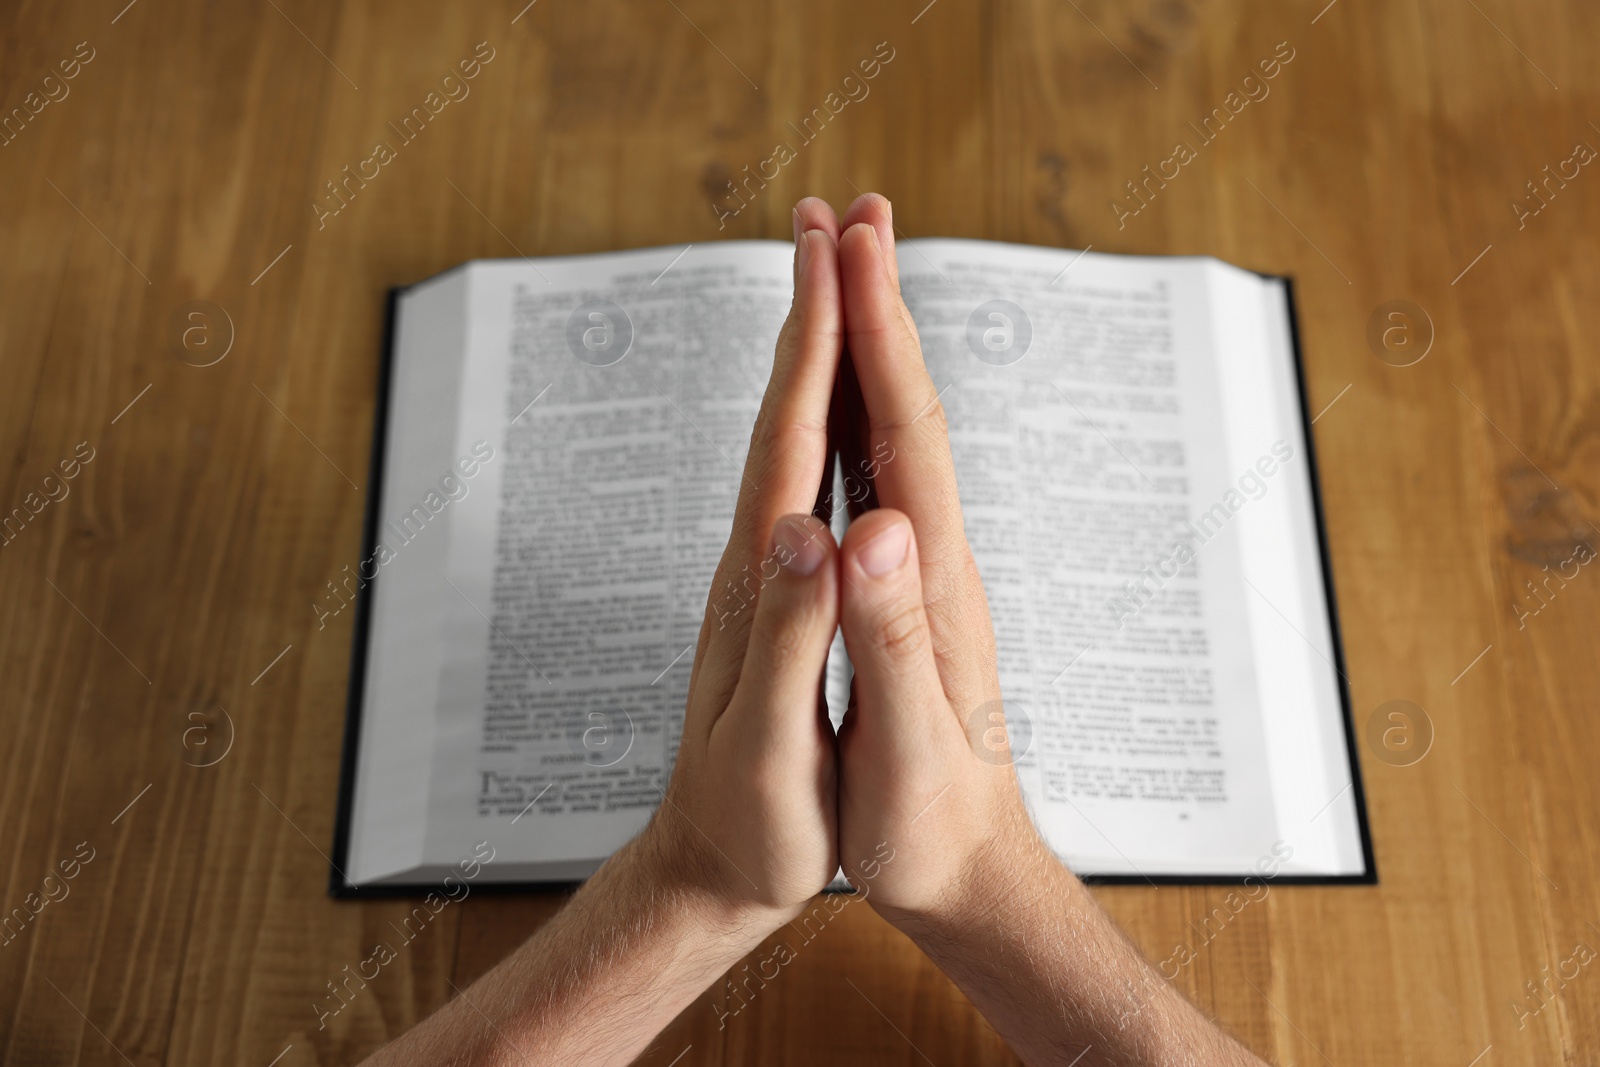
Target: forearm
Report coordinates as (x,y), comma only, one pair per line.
(633,947)
(1031,948)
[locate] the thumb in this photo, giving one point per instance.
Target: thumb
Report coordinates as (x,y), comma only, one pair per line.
(797,612)
(886,625)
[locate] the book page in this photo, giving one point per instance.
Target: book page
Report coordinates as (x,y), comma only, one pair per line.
(619,392)
(403,577)
(1315,785)
(1089,445)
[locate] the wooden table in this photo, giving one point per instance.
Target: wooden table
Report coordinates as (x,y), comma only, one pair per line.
(183,162)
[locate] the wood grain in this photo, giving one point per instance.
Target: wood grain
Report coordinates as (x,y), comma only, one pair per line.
(175,578)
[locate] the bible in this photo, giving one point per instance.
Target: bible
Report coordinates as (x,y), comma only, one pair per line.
(558,447)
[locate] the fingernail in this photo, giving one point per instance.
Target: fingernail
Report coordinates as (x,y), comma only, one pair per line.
(796,547)
(884,553)
(803,250)
(877,245)
(797,230)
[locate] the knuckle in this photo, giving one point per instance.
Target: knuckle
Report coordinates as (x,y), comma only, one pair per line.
(901,634)
(927,429)
(780,430)
(784,642)
(789,628)
(777,439)
(733,595)
(805,326)
(955,601)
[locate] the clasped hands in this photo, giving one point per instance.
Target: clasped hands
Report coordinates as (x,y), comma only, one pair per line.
(765,802)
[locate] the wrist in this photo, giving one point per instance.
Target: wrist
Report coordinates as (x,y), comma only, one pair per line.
(642,932)
(665,864)
(998,886)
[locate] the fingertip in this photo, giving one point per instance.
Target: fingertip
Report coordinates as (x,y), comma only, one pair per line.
(883,617)
(801,544)
(879,544)
(859,247)
(814,213)
(871,295)
(817,270)
(796,617)
(814,241)
(875,210)
(858,232)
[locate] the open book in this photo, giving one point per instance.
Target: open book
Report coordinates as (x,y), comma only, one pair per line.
(558,451)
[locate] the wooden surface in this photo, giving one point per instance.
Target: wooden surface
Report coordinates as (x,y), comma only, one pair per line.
(175,577)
